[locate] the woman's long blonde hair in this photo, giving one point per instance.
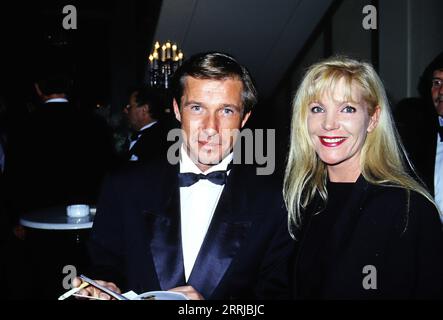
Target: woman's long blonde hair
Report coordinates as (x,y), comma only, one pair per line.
(383,157)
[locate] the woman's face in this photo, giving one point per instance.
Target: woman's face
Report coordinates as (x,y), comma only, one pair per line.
(338,130)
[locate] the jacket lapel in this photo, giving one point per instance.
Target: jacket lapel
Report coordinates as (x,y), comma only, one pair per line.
(165,238)
(222,242)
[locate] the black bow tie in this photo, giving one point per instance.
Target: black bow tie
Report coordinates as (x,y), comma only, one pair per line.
(186,179)
(440,132)
(135,135)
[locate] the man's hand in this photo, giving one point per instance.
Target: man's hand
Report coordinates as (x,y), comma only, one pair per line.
(189,292)
(19,231)
(93,292)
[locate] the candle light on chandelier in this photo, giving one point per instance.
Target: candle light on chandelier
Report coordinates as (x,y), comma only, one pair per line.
(163,64)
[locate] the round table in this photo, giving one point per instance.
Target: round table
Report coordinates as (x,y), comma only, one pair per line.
(56,219)
(54,241)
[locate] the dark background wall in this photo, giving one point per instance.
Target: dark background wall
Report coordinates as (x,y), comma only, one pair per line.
(105,54)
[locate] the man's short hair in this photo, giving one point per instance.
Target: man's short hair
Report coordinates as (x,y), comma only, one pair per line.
(151,97)
(424,85)
(55,83)
(215,66)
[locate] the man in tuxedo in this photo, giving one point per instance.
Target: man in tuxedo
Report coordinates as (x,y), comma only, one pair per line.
(437,100)
(148,139)
(206,226)
(60,154)
(421,128)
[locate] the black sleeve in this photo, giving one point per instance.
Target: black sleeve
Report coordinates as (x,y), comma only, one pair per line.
(274,278)
(429,283)
(105,245)
(415,263)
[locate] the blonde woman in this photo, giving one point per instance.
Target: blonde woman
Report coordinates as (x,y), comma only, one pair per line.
(365,229)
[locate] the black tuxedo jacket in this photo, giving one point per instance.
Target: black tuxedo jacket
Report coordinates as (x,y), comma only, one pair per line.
(400,234)
(422,151)
(151,144)
(136,238)
(417,124)
(59,156)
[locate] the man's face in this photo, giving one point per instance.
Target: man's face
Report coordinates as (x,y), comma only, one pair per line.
(211,113)
(134,113)
(437,91)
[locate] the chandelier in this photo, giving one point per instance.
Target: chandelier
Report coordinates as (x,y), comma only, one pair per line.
(163,62)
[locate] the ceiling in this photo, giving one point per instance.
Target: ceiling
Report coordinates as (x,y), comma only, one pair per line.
(264,35)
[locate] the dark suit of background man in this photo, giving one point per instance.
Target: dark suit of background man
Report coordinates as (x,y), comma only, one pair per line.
(420,124)
(224,236)
(60,154)
(144,112)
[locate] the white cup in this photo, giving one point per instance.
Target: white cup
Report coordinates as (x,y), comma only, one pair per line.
(77,210)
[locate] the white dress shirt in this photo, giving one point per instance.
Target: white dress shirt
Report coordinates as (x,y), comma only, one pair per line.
(197,206)
(438,173)
(133,142)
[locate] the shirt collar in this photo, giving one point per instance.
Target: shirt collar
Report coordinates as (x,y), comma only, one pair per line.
(186,164)
(440,120)
(56,100)
(148,125)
